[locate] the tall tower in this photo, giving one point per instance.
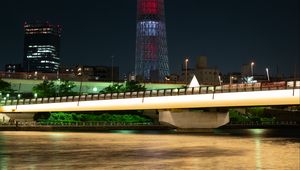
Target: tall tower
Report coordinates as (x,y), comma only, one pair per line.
(151,61)
(41,47)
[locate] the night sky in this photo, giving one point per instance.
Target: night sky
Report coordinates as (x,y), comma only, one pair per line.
(230,33)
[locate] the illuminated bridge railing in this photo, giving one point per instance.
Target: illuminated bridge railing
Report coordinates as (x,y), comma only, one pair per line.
(161,93)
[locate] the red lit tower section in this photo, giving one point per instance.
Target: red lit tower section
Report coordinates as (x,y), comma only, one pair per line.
(151,61)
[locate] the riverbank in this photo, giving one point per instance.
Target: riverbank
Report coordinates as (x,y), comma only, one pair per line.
(87,128)
(260,126)
(83,128)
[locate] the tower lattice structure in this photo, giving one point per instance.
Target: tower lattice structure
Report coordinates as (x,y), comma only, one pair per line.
(151,62)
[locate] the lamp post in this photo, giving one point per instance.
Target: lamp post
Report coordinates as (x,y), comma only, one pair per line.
(186,70)
(230,79)
(252,70)
(220,80)
(19,96)
(112,69)
(80,89)
(268,76)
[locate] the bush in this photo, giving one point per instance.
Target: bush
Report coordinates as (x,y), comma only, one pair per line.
(73,118)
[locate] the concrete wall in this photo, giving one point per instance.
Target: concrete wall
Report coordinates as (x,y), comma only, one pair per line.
(4,118)
(22,117)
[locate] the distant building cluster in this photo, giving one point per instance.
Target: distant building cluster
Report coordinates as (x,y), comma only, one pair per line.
(93,73)
(42,59)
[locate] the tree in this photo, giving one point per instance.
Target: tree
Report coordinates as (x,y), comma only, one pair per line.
(65,88)
(5,88)
(45,89)
(51,89)
(121,88)
(134,86)
(115,88)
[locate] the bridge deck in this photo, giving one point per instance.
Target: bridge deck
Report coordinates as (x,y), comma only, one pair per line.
(202,97)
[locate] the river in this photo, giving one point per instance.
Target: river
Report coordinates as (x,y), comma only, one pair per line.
(253,149)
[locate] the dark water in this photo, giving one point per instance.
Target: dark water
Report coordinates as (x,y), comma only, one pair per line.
(224,149)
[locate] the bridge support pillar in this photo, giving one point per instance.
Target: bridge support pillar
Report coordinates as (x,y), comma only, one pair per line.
(21,117)
(4,118)
(193,120)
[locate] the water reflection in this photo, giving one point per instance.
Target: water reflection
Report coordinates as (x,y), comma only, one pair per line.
(257,154)
(128,150)
(3,157)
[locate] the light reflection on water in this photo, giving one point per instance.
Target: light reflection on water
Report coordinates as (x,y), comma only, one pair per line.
(239,149)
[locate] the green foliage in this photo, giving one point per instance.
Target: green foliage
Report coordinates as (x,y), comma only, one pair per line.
(255,115)
(45,89)
(115,88)
(134,86)
(236,117)
(121,88)
(51,89)
(5,87)
(115,118)
(65,88)
(257,111)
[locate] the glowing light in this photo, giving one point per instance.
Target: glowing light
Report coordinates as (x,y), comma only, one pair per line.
(194,82)
(149,7)
(257,132)
(149,28)
(95,89)
(258,153)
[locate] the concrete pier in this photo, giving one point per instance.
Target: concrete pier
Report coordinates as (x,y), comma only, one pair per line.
(193,120)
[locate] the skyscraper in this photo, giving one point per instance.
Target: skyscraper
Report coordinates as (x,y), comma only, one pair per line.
(41,47)
(151,61)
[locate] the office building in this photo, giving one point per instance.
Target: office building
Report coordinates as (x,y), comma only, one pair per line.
(41,47)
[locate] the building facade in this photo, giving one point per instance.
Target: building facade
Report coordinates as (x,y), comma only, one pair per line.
(41,47)
(204,74)
(97,73)
(151,62)
(13,68)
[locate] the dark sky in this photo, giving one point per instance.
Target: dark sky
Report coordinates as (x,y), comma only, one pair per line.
(230,33)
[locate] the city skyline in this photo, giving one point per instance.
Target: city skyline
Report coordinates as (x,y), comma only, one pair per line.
(230,33)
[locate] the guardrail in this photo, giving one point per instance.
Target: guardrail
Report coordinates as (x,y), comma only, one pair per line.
(160,93)
(73,124)
(264,123)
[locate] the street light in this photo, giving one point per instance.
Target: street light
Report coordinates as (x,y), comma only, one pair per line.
(19,96)
(252,65)
(267,70)
(230,79)
(220,80)
(95,89)
(186,67)
(112,69)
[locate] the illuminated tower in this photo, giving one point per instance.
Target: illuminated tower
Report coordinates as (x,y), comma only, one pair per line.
(151,61)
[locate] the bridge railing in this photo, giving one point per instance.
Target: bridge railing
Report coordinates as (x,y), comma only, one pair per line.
(160,93)
(74,124)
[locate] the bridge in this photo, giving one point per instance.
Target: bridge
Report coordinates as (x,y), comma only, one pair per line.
(174,105)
